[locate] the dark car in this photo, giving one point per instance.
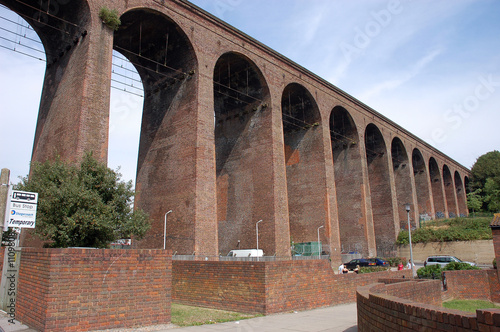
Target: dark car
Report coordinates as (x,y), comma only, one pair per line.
(379,261)
(359,261)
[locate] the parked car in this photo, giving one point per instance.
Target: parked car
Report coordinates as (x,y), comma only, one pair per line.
(443,260)
(359,261)
(379,261)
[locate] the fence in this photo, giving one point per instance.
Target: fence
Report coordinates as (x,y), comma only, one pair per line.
(245,259)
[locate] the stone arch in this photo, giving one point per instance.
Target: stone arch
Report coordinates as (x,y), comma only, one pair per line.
(449,189)
(380,190)
(240,92)
(421,185)
(467,184)
(461,195)
(402,178)
(348,181)
(166,62)
(62,28)
(437,189)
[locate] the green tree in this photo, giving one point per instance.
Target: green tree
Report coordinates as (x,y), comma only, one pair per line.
(485,175)
(486,166)
(492,194)
(475,200)
(83,206)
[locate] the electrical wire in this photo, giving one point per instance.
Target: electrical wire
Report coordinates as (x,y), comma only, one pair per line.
(48,14)
(125,90)
(337,134)
(26,46)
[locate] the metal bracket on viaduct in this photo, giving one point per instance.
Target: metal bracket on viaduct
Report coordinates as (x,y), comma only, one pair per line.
(233,133)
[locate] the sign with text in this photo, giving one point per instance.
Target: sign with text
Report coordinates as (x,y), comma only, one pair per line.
(22,209)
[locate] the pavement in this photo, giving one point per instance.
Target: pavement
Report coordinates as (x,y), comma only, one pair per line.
(329,319)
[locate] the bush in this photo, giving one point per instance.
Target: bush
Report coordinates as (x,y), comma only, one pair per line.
(459,266)
(429,272)
(457,229)
(394,261)
(366,269)
(84,205)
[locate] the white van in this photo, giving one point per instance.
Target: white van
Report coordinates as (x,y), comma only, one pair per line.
(246,253)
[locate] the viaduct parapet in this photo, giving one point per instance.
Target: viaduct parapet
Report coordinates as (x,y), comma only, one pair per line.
(233,133)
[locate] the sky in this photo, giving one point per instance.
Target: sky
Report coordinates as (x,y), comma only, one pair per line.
(432,67)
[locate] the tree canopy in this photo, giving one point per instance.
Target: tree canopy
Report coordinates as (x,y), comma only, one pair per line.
(485,182)
(84,205)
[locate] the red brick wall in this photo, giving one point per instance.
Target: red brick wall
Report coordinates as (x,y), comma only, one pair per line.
(2,252)
(93,289)
(266,287)
(496,246)
(473,284)
(379,310)
(423,290)
(221,285)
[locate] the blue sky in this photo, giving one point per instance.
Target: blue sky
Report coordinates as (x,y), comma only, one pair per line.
(432,67)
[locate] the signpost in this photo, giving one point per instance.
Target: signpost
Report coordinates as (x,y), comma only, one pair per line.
(22,209)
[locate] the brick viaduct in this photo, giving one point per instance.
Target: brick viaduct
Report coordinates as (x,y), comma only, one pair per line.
(232,133)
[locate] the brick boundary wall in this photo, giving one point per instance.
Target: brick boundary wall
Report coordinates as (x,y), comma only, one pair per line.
(472,284)
(2,253)
(495,231)
(93,289)
(381,308)
(267,287)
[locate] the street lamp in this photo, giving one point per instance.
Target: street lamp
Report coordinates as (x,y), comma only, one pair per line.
(412,264)
(165,231)
(257,231)
(319,252)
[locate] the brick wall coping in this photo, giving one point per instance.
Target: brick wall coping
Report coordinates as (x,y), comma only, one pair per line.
(380,310)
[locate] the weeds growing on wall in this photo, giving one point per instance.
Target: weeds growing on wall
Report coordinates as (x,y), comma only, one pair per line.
(110,18)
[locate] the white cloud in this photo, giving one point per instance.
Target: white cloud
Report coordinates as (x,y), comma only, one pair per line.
(389,85)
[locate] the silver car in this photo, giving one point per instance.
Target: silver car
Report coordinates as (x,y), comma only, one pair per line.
(444,260)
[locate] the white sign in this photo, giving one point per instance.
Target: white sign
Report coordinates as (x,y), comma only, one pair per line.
(22,209)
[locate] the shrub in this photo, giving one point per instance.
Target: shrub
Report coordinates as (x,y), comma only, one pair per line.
(84,205)
(457,229)
(459,266)
(366,269)
(394,261)
(429,272)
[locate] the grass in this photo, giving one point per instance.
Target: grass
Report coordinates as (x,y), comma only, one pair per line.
(183,315)
(469,305)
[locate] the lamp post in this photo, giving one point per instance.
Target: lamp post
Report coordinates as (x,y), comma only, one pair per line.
(165,231)
(412,264)
(319,252)
(257,231)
